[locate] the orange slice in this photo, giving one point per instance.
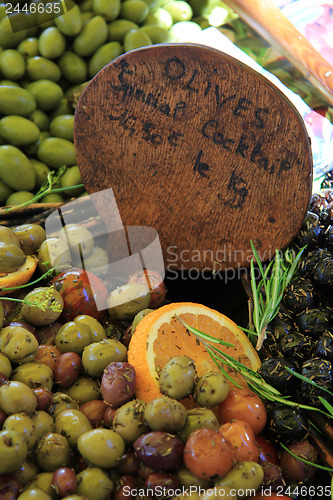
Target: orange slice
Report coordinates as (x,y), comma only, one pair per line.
(19,277)
(160,335)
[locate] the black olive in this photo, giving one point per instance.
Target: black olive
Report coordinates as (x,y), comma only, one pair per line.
(323,272)
(287,424)
(329,238)
(273,477)
(295,347)
(314,321)
(299,295)
(310,260)
(274,371)
(311,232)
(323,348)
(319,371)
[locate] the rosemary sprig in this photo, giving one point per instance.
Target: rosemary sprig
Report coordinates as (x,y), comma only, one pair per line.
(268,292)
(47,188)
(252,378)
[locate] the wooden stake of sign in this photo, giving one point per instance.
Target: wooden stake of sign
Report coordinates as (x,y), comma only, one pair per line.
(200,147)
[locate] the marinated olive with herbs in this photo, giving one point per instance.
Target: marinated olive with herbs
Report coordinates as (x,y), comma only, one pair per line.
(98,355)
(159,450)
(34,374)
(177,377)
(11,257)
(72,424)
(197,418)
(118,383)
(101,447)
(24,426)
(42,306)
(128,420)
(52,452)
(31,236)
(93,484)
(43,423)
(165,414)
(287,424)
(211,389)
(18,344)
(73,336)
(13,451)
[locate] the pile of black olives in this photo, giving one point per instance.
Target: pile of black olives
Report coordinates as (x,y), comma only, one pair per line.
(301,336)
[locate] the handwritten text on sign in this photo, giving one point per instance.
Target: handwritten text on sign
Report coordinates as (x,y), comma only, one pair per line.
(248,143)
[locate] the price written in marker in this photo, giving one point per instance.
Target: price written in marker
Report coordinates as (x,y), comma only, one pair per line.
(198,146)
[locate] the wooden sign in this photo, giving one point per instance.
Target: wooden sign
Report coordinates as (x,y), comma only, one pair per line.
(200,147)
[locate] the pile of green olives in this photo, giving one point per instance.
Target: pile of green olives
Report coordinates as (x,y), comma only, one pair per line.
(48,61)
(18,242)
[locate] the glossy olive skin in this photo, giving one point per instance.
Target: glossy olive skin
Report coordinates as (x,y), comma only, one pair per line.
(60,403)
(118,383)
(165,414)
(72,424)
(34,374)
(93,483)
(177,377)
(7,235)
(19,345)
(53,252)
(67,369)
(197,418)
(52,302)
(17,397)
(31,236)
(43,423)
(211,389)
(159,450)
(128,420)
(73,336)
(101,447)
(13,451)
(11,257)
(97,356)
(244,476)
(52,452)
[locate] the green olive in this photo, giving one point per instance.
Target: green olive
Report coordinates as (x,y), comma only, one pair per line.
(52,43)
(56,152)
(78,238)
(31,236)
(97,261)
(16,397)
(242,477)
(52,452)
(84,389)
(165,414)
(24,426)
(211,389)
(134,10)
(179,10)
(46,92)
(127,300)
(7,235)
(43,423)
(5,191)
(103,55)
(12,64)
(101,447)
(73,67)
(138,317)
(41,171)
(13,451)
(5,364)
(70,23)
(60,403)
(39,68)
(187,479)
(27,471)
(18,131)
(9,37)
(40,119)
(28,47)
(157,34)
(135,39)
(198,418)
(72,424)
(52,198)
(93,484)
(42,306)
(92,36)
(177,377)
(18,344)
(98,355)
(34,494)
(97,331)
(19,197)
(119,28)
(64,107)
(42,481)
(15,168)
(63,126)
(34,374)
(109,9)
(31,149)
(53,252)
(16,101)
(160,17)
(73,336)
(128,421)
